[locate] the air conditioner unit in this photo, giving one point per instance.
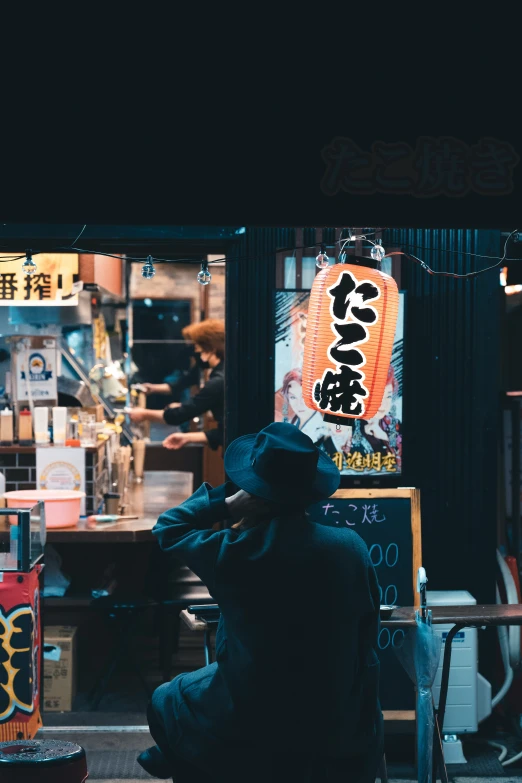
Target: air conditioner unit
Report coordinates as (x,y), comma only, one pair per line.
(469,694)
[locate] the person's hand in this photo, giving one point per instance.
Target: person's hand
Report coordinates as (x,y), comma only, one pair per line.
(176,440)
(137,415)
(243,505)
(149,388)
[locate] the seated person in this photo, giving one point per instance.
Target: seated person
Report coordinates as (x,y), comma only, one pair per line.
(295,682)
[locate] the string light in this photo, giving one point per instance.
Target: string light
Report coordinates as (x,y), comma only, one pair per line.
(147,270)
(322,260)
(431,271)
(204,276)
(377,252)
(29,267)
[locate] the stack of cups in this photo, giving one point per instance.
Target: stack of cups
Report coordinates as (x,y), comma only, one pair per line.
(41,425)
(59,426)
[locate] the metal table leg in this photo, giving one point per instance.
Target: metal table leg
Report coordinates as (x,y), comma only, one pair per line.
(438,751)
(208,645)
(445,674)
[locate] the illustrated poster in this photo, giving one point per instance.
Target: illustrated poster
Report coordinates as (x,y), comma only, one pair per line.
(369,448)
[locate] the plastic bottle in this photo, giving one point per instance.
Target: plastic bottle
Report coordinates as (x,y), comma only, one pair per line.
(6,427)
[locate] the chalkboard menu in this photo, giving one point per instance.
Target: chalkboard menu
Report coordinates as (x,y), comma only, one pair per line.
(388,520)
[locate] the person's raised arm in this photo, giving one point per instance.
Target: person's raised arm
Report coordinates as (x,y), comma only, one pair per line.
(186,530)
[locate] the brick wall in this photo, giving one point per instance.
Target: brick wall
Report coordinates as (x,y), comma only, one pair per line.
(19,469)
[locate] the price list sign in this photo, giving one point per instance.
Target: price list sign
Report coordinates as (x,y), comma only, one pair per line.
(389,523)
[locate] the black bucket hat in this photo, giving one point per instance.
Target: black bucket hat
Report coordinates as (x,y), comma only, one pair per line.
(281,464)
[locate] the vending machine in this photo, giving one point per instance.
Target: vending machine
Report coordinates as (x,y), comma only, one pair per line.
(22,541)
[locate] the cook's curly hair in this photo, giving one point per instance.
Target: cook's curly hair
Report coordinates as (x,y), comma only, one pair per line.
(209,334)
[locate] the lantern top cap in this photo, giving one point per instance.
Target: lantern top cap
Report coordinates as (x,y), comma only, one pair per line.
(360,260)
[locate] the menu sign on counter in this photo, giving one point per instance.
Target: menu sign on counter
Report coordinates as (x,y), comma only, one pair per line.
(61,468)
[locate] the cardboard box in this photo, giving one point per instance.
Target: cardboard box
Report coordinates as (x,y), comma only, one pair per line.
(59,668)
(97,410)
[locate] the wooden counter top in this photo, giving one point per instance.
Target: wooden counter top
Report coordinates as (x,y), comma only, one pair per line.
(17,449)
(475,615)
(159,491)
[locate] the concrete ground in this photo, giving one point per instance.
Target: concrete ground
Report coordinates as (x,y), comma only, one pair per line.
(455,780)
(115,752)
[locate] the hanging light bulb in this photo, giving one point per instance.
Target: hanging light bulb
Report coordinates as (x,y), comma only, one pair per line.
(322,260)
(29,267)
(148,270)
(204,276)
(377,252)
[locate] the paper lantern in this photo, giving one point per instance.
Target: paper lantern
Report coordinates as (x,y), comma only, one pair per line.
(350,330)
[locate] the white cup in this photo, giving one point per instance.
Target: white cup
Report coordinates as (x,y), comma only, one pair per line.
(59,426)
(41,424)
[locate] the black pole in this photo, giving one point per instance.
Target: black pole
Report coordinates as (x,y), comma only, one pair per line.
(515,481)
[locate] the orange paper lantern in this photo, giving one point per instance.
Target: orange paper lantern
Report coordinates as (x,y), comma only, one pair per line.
(350,330)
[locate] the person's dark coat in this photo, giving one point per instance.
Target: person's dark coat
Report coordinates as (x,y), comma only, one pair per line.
(297,672)
(210,397)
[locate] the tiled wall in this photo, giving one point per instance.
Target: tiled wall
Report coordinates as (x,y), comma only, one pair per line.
(20,473)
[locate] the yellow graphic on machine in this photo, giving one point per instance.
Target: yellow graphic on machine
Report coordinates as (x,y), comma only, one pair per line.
(16,661)
(60,475)
(37,370)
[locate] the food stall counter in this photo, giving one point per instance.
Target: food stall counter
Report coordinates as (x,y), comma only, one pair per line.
(159,491)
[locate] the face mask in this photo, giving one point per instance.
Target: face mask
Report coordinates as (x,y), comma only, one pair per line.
(202,364)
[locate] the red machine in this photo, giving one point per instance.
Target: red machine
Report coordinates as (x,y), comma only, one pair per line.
(20,626)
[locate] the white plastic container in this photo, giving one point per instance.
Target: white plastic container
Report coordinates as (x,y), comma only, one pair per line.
(41,424)
(59,426)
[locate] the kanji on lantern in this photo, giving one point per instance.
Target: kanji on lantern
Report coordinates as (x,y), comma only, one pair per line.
(346,377)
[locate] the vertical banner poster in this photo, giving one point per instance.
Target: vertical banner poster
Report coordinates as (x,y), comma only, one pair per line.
(20,658)
(369,447)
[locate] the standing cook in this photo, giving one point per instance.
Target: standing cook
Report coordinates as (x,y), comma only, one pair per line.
(209,345)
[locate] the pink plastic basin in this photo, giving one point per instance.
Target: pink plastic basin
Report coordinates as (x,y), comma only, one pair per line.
(62,506)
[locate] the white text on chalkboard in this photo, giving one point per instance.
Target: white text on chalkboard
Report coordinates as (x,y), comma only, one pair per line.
(370,514)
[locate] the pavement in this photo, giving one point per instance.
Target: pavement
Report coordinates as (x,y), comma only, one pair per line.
(114,753)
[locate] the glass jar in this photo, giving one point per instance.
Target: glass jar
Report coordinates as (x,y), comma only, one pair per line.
(87,429)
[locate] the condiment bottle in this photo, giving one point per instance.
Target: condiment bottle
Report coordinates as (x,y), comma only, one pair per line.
(6,427)
(25,428)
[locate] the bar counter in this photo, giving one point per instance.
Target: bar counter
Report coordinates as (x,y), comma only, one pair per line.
(159,491)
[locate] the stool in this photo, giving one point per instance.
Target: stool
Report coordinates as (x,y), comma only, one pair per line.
(42,761)
(124,611)
(185,591)
(210,615)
